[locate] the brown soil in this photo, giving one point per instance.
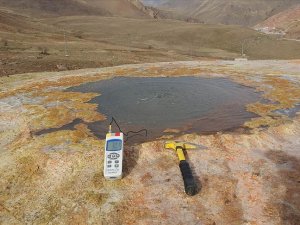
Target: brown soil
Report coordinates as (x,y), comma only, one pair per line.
(30,44)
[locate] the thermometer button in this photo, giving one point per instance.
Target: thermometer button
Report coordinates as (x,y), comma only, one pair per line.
(113,156)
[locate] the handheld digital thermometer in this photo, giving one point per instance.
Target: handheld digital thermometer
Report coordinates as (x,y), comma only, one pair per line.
(113,159)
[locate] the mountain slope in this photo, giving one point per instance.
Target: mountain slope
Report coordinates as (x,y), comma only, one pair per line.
(123,8)
(240,12)
(286,22)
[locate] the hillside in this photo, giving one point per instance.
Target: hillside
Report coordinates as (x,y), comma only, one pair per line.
(29,44)
(286,23)
(39,38)
(240,12)
(123,8)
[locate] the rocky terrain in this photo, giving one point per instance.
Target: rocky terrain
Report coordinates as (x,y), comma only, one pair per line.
(241,12)
(248,176)
(38,36)
(34,44)
(123,8)
(286,23)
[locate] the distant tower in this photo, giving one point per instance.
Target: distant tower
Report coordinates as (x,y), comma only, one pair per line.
(66,45)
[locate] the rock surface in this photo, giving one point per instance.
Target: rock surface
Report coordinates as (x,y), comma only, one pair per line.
(248,177)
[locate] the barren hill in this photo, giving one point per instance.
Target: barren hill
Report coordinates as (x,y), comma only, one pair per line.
(286,23)
(124,8)
(241,12)
(36,42)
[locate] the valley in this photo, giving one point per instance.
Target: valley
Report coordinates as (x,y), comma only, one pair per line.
(223,76)
(41,44)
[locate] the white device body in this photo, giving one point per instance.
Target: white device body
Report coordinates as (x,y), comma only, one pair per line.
(113,158)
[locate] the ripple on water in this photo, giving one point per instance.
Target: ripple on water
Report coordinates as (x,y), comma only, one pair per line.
(189,104)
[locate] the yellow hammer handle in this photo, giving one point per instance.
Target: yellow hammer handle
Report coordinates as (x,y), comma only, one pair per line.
(180,153)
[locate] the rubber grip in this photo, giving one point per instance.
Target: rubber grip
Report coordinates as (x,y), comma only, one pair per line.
(190,185)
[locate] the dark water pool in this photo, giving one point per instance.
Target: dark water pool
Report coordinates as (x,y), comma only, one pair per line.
(189,104)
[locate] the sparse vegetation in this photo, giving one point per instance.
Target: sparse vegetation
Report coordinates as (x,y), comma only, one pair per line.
(100,44)
(4,42)
(97,41)
(78,34)
(43,50)
(241,12)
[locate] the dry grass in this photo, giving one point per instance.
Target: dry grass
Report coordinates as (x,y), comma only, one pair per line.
(109,41)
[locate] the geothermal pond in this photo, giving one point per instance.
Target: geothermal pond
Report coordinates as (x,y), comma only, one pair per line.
(169,105)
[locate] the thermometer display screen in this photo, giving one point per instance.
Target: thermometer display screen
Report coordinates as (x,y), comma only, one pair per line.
(114,145)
